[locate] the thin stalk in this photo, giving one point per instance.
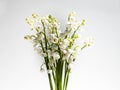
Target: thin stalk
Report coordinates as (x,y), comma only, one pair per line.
(67,78)
(50,82)
(65,74)
(75,31)
(58,76)
(53,77)
(61,70)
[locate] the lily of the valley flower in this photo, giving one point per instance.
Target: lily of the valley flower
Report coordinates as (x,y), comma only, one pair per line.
(42,70)
(40,36)
(53,38)
(89,41)
(70,66)
(30,22)
(35,16)
(28,37)
(56,56)
(39,50)
(57,47)
(56,25)
(64,44)
(70,51)
(43,54)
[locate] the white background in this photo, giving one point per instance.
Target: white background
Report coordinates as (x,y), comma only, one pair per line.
(97,67)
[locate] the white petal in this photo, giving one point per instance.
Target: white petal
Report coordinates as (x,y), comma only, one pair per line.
(44,54)
(70,51)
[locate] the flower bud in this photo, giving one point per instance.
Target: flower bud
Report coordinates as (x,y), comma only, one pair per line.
(35,15)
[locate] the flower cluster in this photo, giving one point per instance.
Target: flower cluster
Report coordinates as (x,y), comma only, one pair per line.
(57,48)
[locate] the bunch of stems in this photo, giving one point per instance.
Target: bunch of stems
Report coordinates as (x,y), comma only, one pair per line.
(58,79)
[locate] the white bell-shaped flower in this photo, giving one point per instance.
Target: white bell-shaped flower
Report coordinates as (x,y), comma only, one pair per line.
(56,56)
(64,44)
(53,38)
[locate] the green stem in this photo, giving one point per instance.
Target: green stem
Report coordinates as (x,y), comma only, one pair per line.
(61,70)
(53,77)
(67,78)
(58,75)
(75,31)
(65,74)
(50,82)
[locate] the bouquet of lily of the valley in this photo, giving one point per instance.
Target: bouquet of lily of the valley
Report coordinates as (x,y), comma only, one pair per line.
(57,47)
